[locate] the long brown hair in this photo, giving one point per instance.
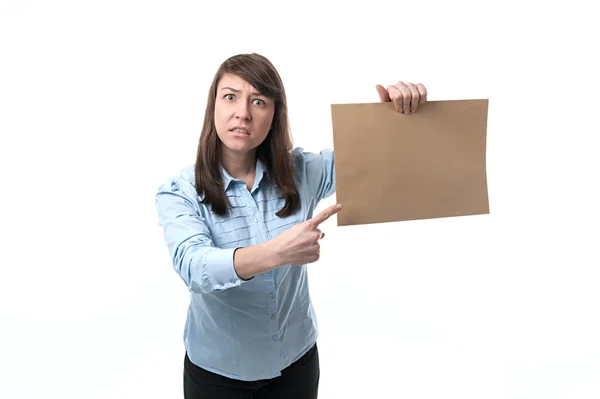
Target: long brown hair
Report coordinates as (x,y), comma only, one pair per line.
(275,152)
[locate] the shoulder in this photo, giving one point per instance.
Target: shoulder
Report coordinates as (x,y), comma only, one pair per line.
(311,162)
(182,181)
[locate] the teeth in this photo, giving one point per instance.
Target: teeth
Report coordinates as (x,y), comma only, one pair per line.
(240,131)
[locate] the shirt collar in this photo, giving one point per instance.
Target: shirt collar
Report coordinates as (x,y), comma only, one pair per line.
(227,178)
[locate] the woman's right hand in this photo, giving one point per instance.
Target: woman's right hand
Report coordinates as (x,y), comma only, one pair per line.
(300,244)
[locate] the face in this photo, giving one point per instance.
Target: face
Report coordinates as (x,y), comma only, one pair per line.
(243,116)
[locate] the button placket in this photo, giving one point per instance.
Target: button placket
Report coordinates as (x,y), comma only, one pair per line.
(271,296)
(272,308)
(273,323)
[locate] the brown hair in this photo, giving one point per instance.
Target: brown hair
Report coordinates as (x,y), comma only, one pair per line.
(275,152)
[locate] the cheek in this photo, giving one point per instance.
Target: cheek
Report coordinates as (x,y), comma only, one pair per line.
(218,116)
(264,129)
(220,120)
(267,120)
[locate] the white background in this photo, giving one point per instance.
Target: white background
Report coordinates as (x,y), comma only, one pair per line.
(100,101)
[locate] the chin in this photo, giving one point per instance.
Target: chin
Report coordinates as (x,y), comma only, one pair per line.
(236,146)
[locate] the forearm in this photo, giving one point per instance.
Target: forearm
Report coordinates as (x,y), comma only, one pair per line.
(251,261)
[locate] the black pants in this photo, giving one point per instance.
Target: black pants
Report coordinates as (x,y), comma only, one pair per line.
(298,381)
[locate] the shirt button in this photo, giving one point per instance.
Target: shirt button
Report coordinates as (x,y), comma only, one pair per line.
(256,219)
(274,337)
(273,316)
(271,295)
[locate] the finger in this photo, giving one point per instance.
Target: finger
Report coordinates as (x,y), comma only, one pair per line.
(406,96)
(414,101)
(315,257)
(383,94)
(423,93)
(395,97)
(318,235)
(314,254)
(325,214)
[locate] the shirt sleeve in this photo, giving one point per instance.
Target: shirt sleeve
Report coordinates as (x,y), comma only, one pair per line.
(202,266)
(320,172)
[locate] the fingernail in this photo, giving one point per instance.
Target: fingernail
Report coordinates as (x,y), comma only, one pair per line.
(339,206)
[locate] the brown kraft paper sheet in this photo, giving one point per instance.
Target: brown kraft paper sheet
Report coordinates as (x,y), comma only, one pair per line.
(394,167)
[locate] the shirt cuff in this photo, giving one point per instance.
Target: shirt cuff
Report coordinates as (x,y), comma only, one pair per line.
(220,270)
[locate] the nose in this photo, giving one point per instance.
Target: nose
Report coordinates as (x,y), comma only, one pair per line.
(243,111)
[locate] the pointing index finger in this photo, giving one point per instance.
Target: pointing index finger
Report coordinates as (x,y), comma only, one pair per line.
(325,214)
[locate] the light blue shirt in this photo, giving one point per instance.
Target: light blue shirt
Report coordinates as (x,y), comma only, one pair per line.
(247,330)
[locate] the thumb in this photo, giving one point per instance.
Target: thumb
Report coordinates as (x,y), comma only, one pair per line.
(383,94)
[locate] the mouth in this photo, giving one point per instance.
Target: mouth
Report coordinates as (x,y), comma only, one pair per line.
(240,130)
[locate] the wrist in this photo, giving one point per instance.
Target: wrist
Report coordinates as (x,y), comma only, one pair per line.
(273,257)
(257,259)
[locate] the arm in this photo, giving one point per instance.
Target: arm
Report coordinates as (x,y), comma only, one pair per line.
(297,245)
(202,266)
(320,173)
(206,268)
(257,259)
(276,252)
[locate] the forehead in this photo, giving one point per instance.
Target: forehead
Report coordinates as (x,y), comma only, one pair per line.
(235,82)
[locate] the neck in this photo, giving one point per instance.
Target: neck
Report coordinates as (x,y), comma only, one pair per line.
(238,165)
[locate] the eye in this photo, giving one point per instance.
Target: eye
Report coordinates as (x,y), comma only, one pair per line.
(229,96)
(258,101)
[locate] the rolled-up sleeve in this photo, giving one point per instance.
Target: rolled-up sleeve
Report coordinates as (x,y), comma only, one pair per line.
(202,266)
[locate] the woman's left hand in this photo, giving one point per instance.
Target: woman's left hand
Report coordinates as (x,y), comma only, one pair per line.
(406,97)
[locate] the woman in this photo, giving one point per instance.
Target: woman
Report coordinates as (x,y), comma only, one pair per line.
(240,229)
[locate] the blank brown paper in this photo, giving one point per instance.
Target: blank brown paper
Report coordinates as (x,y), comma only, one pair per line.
(394,167)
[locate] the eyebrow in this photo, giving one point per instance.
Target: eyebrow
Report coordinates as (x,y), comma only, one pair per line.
(237,91)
